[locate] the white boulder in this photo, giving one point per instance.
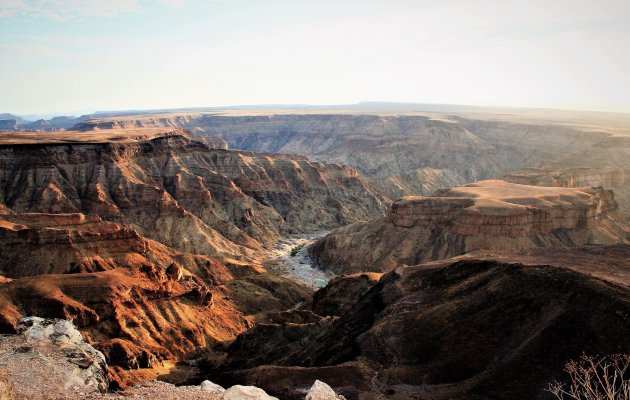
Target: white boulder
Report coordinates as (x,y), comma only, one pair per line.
(213,388)
(321,391)
(238,392)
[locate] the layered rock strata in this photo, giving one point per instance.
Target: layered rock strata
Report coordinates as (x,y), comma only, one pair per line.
(491,215)
(183,193)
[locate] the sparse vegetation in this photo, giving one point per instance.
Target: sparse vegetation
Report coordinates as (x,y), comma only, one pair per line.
(596,378)
(296,250)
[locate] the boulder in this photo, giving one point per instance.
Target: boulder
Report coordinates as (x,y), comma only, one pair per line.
(238,392)
(57,336)
(213,388)
(321,391)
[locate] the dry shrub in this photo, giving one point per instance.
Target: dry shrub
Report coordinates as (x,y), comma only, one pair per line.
(596,378)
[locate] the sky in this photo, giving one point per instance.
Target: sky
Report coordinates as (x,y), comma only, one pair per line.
(75,56)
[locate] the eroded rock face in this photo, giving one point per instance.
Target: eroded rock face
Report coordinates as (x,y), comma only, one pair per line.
(149,241)
(183,193)
(136,300)
(469,329)
(490,215)
(137,317)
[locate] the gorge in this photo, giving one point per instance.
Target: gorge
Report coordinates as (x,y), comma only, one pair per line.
(392,256)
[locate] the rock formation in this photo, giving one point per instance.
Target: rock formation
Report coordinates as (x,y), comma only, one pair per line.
(468,329)
(182,193)
(52,355)
(491,215)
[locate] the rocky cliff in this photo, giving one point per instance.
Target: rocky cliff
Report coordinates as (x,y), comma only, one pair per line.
(491,215)
(400,154)
(183,193)
(473,329)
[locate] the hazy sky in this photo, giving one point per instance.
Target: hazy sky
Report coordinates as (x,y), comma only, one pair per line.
(77,55)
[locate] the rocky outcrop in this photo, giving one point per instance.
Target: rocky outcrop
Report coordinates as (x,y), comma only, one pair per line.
(470,329)
(51,354)
(491,215)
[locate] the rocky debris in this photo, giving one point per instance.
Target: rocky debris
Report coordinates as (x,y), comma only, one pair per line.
(321,391)
(157,390)
(213,388)
(51,354)
(486,215)
(454,329)
(207,391)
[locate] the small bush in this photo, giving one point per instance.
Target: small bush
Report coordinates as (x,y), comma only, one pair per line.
(596,378)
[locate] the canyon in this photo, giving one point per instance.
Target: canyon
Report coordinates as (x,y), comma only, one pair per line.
(392,255)
(152,242)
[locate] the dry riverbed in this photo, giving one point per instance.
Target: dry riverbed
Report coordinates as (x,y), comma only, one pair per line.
(288,258)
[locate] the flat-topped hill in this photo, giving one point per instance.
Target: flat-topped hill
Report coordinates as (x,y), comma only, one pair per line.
(487,215)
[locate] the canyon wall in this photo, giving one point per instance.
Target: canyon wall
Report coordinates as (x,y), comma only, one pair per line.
(184,194)
(399,154)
